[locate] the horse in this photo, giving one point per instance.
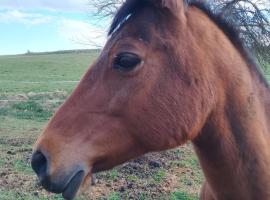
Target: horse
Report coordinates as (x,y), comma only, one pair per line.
(171,72)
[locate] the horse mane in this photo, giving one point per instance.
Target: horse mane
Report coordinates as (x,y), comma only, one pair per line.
(131,7)
(233,33)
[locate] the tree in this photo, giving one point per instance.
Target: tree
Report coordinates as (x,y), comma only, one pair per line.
(252,19)
(250,16)
(106,8)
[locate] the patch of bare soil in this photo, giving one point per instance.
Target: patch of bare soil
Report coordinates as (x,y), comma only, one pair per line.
(52,95)
(18,97)
(3,104)
(153,176)
(49,101)
(17,142)
(7,99)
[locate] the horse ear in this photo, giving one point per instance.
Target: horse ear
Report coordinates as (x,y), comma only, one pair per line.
(176,7)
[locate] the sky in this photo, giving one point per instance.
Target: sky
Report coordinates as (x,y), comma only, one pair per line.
(48,25)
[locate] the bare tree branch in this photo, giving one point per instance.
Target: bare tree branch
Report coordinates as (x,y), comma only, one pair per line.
(252,18)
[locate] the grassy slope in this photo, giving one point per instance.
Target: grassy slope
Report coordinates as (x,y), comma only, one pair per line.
(177,178)
(44,71)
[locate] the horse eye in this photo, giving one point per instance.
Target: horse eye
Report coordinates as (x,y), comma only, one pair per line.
(126,61)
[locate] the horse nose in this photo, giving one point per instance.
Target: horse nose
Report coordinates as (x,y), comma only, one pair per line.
(39,163)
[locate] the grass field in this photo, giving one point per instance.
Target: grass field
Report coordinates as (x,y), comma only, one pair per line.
(31,88)
(43,73)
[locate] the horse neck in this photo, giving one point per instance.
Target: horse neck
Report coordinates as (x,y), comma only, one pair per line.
(235,156)
(233,146)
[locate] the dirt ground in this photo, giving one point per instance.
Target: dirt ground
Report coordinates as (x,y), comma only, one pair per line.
(161,175)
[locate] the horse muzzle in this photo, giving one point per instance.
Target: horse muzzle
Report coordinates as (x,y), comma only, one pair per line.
(66,183)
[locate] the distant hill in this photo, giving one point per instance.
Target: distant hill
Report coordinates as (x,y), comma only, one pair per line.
(63,52)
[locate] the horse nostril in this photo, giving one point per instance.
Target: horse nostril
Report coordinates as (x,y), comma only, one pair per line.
(39,163)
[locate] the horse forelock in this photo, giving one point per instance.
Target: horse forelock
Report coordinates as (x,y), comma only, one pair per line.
(127,9)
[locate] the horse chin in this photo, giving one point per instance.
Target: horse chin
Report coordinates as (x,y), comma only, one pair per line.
(73,186)
(79,183)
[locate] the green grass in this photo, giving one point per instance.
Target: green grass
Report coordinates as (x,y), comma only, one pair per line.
(11,127)
(159,175)
(40,73)
(114,196)
(113,174)
(2,162)
(26,110)
(268,77)
(22,166)
(182,196)
(15,195)
(267,73)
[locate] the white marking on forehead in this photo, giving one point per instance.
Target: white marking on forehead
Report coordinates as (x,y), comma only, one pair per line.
(120,24)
